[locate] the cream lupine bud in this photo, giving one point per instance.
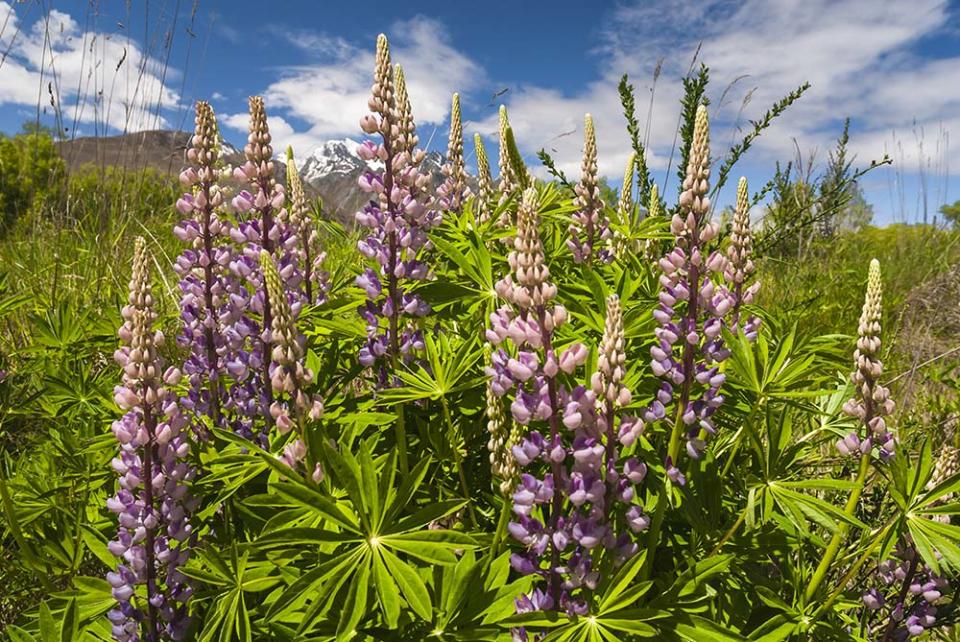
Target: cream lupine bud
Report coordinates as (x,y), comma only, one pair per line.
(381,99)
(740,265)
(694,199)
(872,401)
(625,204)
(454,188)
(589,226)
(509,181)
(948,464)
(404,130)
(607,381)
(258,149)
(651,247)
(484,181)
(306,238)
(529,286)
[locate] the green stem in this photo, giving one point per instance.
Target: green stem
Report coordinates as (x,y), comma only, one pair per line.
(653,540)
(730,533)
(18,537)
(501,528)
(458,461)
(401,437)
(875,542)
(834,546)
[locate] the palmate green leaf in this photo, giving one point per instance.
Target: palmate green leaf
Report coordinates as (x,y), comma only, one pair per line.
(699,629)
(612,599)
(355,606)
(426,515)
(18,635)
(312,583)
(319,503)
(387,591)
(824,513)
(431,546)
(411,585)
(70,625)
(937,538)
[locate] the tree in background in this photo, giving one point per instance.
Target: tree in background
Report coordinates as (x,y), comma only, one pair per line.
(951,213)
(31,173)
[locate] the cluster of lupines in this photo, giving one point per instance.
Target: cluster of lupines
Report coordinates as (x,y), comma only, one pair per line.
(306,241)
(289,377)
(903,604)
(872,401)
(689,348)
(562,505)
(485,188)
(454,190)
(212,299)
(153,505)
(262,225)
(740,267)
(589,229)
(398,217)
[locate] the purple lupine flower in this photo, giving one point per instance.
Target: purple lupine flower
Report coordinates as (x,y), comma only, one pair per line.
(903,602)
(263,225)
(305,239)
(872,401)
(398,217)
(590,229)
(152,504)
(740,266)
(212,298)
(689,348)
(454,190)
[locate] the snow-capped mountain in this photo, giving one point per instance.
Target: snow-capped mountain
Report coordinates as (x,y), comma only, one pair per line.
(334,167)
(330,171)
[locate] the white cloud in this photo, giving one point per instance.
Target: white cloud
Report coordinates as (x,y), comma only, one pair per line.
(331,94)
(94,77)
(859,56)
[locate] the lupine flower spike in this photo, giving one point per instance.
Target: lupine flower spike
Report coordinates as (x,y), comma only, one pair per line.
(306,241)
(689,346)
(289,377)
(152,505)
(589,228)
(398,217)
(486,190)
(212,300)
(264,226)
(454,189)
(741,267)
(872,401)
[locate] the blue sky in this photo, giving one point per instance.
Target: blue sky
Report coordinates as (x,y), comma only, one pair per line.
(893,67)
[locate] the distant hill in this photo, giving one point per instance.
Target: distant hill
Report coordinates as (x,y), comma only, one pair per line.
(330,171)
